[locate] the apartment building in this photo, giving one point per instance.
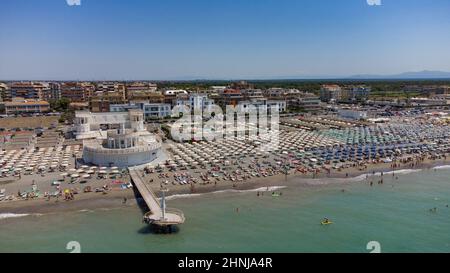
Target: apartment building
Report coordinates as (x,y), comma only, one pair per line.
(262,105)
(151,110)
(153,97)
(77,92)
(330,93)
(53,92)
(4,92)
(355,93)
(21,106)
(28,90)
(196,101)
(229,97)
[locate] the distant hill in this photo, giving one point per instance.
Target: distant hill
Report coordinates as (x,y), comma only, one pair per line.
(426,74)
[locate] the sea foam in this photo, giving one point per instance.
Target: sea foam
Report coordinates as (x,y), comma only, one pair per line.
(178,196)
(16,215)
(442,167)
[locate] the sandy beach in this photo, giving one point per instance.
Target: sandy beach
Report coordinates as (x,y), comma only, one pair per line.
(116,198)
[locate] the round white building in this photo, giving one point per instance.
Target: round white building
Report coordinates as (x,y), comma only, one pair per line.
(129,145)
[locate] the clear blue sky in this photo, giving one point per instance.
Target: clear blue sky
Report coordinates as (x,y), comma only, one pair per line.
(183,39)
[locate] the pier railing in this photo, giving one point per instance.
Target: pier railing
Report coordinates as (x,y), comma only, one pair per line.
(176,212)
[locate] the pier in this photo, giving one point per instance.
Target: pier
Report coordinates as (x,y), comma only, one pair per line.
(158,215)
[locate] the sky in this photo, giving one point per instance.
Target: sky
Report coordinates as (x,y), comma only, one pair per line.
(220,39)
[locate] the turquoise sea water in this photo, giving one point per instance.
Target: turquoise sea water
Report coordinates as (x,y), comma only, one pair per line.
(396,214)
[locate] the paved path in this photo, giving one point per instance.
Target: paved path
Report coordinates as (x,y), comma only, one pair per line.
(171,217)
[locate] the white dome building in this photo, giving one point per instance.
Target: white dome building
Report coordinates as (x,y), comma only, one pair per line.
(129,145)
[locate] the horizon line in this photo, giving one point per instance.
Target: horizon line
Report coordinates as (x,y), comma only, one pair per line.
(232,79)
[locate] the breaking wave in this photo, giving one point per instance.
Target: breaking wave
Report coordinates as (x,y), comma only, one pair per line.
(442,167)
(178,196)
(16,215)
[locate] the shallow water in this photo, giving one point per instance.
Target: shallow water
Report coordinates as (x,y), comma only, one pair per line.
(396,214)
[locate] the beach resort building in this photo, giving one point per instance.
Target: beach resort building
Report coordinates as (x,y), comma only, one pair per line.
(125,141)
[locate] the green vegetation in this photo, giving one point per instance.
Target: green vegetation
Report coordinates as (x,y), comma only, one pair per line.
(392,88)
(394,94)
(296,110)
(62,106)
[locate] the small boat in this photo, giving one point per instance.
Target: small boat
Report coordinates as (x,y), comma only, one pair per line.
(275,194)
(326,222)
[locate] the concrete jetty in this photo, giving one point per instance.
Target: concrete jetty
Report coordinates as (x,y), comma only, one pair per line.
(158,214)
